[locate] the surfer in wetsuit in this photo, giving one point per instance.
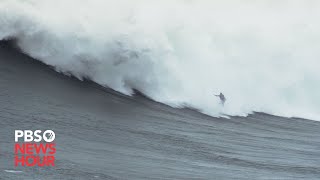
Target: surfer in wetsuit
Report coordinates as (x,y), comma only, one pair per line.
(222,98)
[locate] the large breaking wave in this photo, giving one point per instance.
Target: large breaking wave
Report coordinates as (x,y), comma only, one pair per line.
(263,55)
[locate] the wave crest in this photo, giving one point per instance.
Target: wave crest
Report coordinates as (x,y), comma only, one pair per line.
(262,55)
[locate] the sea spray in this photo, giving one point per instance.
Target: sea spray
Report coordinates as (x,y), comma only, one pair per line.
(263,55)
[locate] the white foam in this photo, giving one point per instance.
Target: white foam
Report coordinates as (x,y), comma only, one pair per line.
(13,171)
(263,55)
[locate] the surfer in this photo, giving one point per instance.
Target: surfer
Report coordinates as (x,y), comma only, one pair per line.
(222,98)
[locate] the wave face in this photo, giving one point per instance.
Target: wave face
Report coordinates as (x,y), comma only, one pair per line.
(264,56)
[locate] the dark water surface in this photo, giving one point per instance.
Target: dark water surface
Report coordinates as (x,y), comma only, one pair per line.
(101,134)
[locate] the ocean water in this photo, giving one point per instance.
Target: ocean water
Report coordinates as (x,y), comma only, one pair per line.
(128,87)
(263,55)
(102,134)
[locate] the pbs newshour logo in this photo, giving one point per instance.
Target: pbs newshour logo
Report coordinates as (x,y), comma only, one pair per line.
(34,148)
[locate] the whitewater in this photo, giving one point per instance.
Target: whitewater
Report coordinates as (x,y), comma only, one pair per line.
(264,56)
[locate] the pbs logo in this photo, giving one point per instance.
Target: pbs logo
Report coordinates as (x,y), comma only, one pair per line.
(34,136)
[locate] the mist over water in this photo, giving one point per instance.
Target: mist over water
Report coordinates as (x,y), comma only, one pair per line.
(264,56)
